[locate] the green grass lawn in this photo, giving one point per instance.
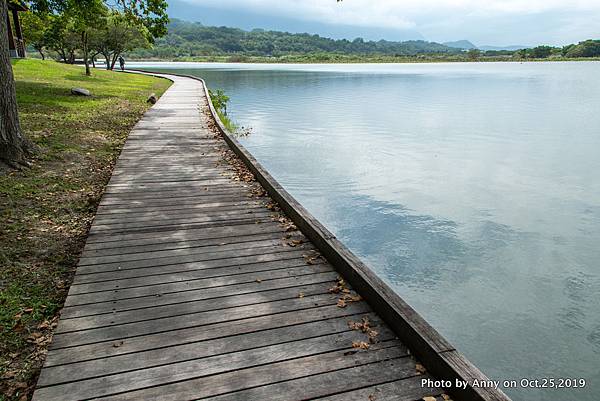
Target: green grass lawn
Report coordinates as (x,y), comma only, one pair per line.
(46,211)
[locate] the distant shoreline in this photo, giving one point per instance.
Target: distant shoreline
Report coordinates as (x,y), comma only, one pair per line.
(365,60)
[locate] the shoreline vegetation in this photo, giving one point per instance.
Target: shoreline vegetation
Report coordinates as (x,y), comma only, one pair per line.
(345,59)
(47,209)
(219,101)
(192,41)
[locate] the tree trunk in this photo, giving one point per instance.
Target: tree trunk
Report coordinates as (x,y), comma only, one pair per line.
(41,52)
(114,60)
(14,148)
(84,43)
(107,57)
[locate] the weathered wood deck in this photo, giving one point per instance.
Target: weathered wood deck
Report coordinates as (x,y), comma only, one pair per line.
(190,287)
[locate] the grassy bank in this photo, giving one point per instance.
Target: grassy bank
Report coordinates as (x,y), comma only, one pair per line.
(45,212)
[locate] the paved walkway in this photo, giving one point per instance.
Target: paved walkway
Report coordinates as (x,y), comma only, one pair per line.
(191,287)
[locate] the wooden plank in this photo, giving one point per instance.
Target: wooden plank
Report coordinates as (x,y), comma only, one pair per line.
(196,319)
(91,306)
(252,263)
(408,389)
(116,211)
(309,386)
(165,186)
(161,375)
(159,290)
(193,280)
(124,250)
(188,257)
(201,191)
(187,225)
(181,215)
(273,243)
(159,276)
(118,317)
(183,233)
(181,200)
(172,338)
(312,367)
(195,350)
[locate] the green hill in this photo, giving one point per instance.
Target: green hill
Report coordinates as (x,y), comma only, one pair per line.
(461,44)
(192,39)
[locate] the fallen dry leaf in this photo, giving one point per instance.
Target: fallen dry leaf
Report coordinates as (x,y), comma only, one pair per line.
(429,399)
(311,259)
(360,344)
(420,368)
(339,286)
(365,327)
(294,243)
(347,298)
(44,325)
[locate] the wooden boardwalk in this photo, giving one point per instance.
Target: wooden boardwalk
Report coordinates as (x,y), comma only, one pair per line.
(192,286)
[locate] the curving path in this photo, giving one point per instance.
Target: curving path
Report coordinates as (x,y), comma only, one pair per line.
(192,286)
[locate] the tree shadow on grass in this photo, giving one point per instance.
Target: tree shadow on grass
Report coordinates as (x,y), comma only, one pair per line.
(94,79)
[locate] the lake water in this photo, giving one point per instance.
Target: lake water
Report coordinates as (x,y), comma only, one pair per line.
(472,189)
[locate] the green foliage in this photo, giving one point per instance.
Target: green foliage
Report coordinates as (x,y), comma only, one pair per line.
(474,54)
(35,27)
(61,36)
(588,48)
(100,26)
(118,35)
(187,39)
(192,41)
(219,100)
(152,14)
(585,49)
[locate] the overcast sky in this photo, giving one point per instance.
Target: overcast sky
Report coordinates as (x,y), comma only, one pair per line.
(484,22)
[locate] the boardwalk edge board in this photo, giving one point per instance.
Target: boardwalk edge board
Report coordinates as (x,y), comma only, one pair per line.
(438,356)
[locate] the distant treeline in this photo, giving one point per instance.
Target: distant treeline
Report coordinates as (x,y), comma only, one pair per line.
(192,40)
(585,49)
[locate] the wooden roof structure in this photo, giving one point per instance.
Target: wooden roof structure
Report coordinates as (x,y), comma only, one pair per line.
(16,43)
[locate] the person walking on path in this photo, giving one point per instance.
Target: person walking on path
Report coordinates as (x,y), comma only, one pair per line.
(122,63)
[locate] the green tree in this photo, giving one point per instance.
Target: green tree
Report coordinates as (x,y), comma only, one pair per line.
(120,34)
(35,26)
(87,16)
(61,37)
(541,51)
(588,48)
(14,147)
(474,54)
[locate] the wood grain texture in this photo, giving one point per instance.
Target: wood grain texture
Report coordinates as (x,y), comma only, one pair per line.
(189,287)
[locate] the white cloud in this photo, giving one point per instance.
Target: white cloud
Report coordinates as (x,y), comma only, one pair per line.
(434,18)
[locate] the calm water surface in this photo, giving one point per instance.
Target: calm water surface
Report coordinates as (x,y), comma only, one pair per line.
(472,189)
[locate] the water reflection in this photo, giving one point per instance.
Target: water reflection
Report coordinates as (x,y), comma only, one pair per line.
(472,189)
